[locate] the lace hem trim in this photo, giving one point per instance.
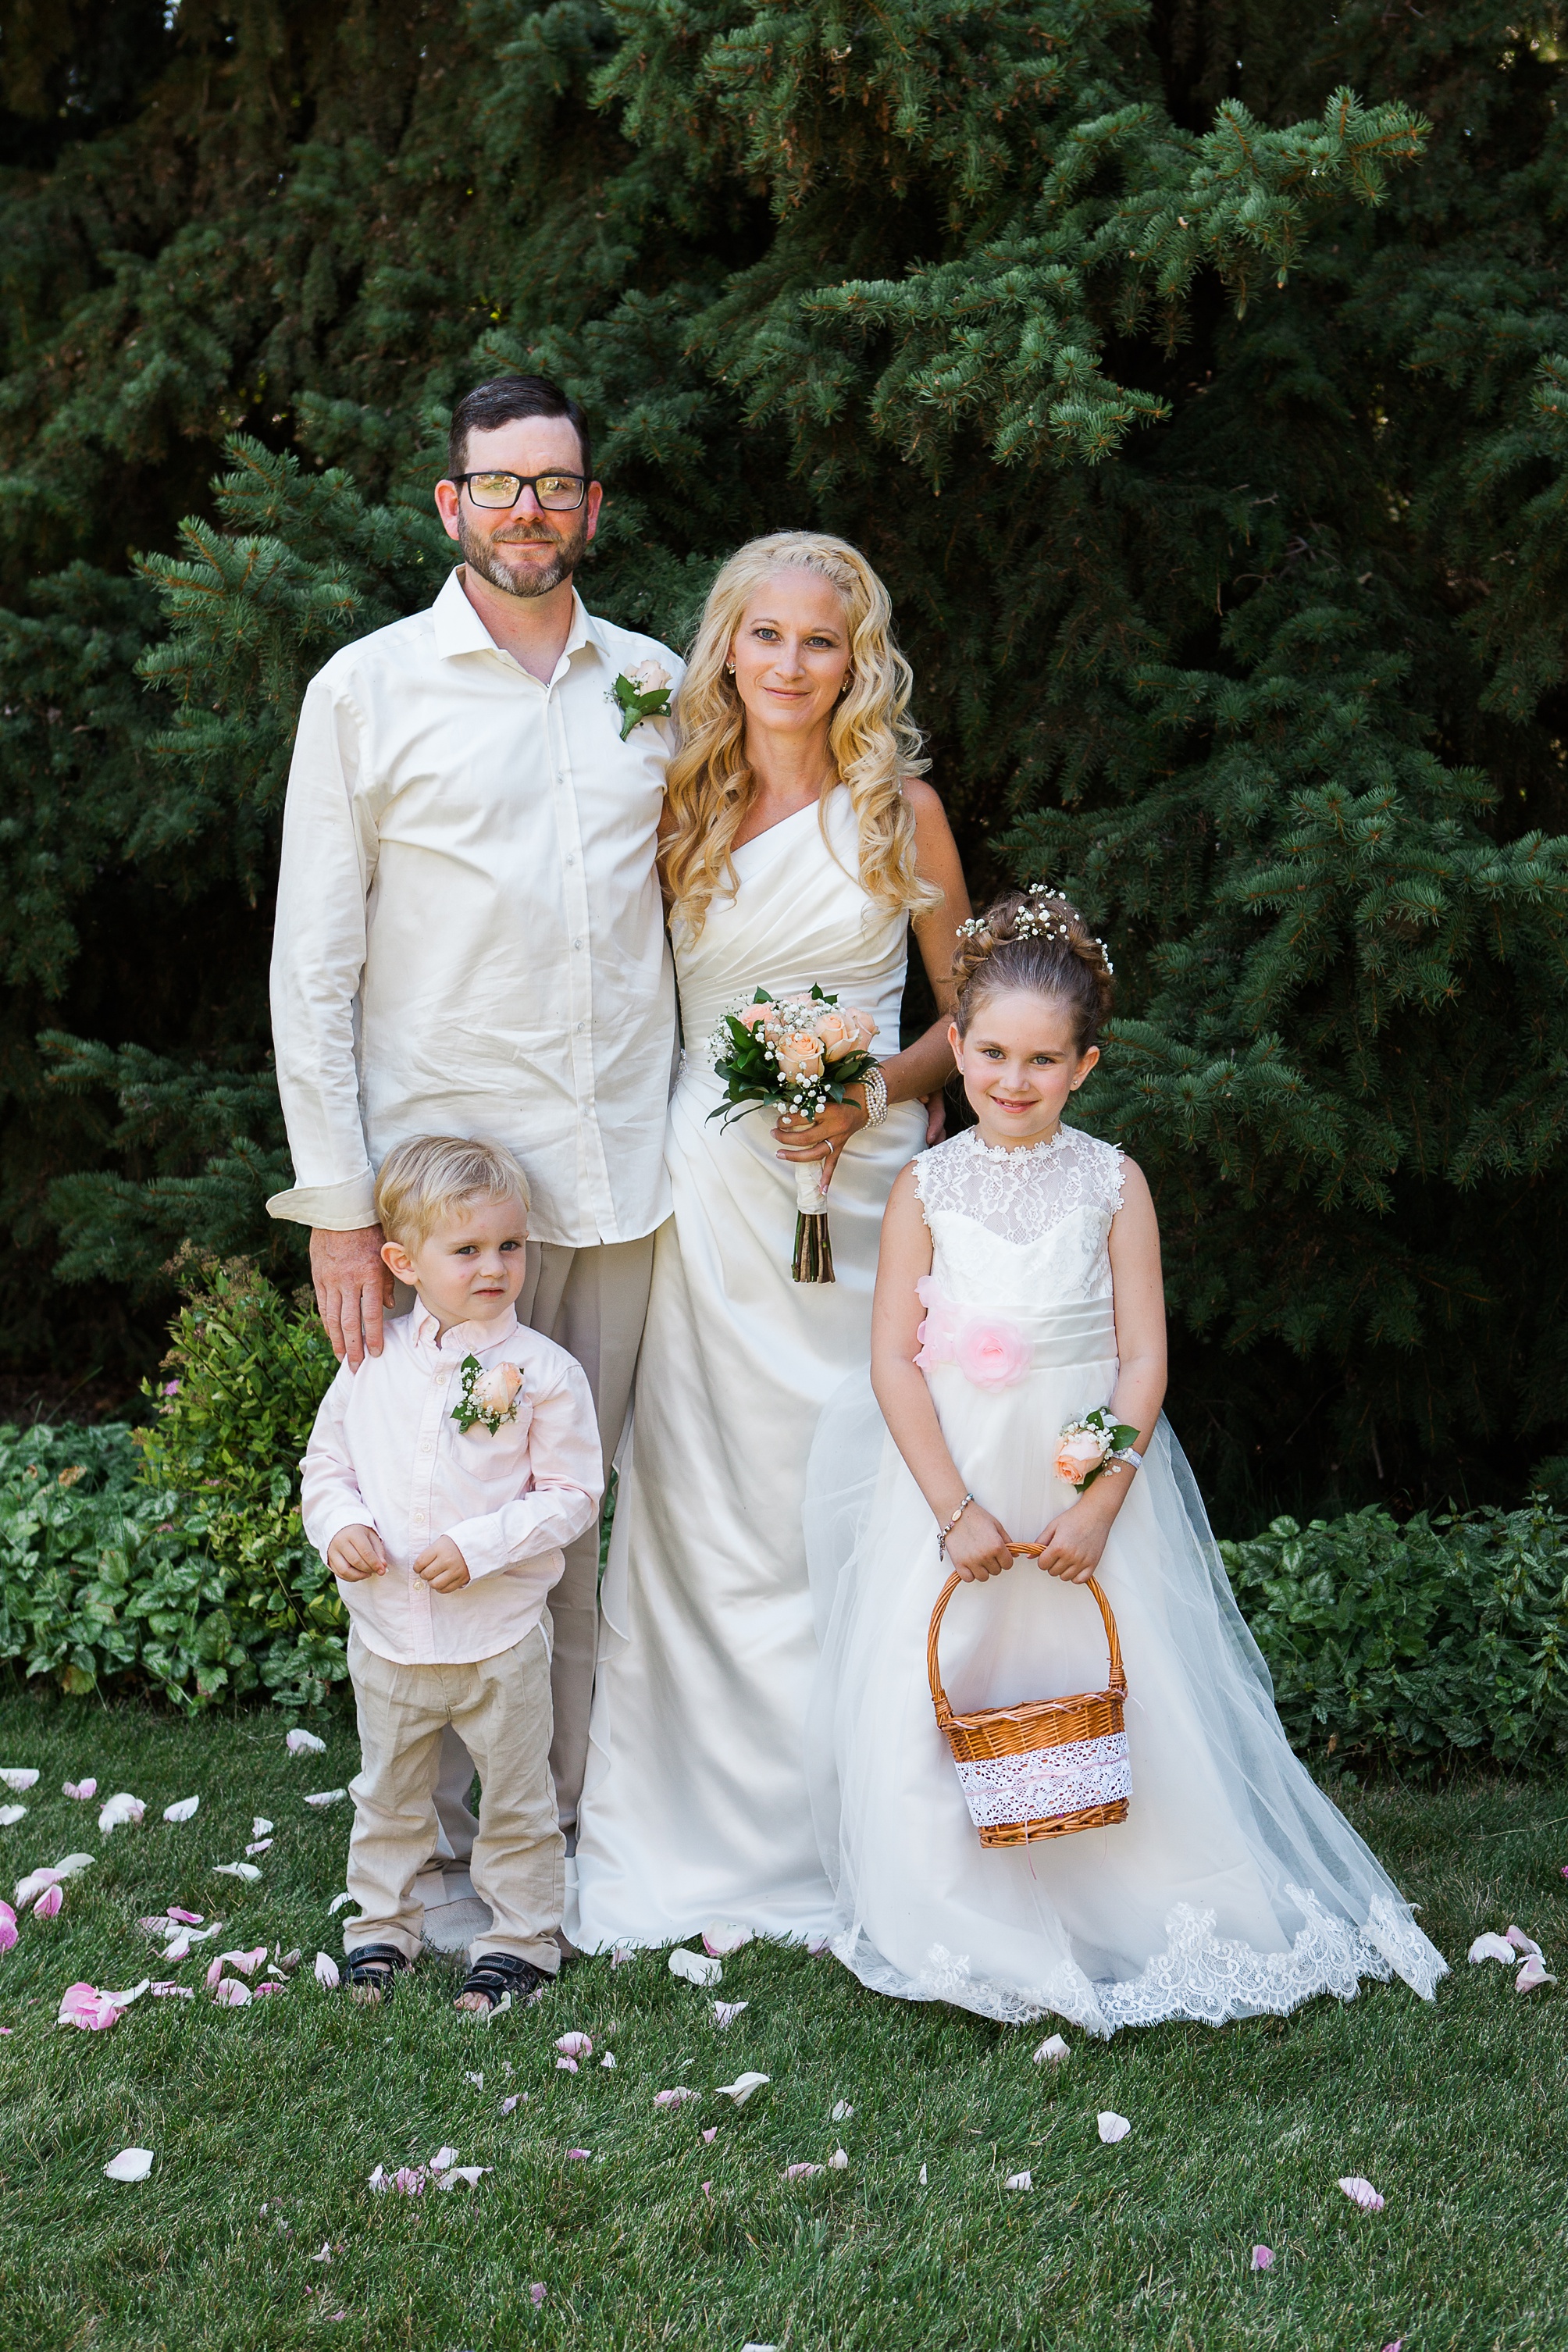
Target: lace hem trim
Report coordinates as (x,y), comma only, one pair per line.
(1200,1977)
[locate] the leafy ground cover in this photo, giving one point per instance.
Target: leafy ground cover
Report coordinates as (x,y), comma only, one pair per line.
(266,2121)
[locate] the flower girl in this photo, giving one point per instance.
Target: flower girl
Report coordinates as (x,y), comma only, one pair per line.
(1018,1293)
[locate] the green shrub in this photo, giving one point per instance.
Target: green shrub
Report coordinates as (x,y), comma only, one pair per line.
(173,1557)
(233,1408)
(1410,1643)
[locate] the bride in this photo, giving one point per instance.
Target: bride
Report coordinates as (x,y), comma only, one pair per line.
(799,845)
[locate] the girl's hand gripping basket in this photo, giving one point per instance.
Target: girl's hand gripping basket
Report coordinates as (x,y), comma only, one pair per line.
(1046,1767)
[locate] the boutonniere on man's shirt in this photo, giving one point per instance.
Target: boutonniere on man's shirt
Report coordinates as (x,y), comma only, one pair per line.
(642,692)
(488,1399)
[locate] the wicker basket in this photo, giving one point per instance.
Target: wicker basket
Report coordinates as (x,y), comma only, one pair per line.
(1047,1767)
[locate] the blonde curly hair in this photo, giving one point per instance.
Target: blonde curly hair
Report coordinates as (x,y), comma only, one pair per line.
(873,742)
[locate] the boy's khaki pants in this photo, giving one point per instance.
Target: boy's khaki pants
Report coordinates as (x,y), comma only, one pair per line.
(499,1708)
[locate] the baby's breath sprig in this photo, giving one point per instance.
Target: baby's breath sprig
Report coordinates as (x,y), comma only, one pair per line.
(1037,918)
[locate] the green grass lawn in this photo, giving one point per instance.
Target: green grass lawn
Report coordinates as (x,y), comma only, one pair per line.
(1455,2111)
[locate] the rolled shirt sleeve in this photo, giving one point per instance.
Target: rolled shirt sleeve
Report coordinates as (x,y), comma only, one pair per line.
(318,959)
(330,1497)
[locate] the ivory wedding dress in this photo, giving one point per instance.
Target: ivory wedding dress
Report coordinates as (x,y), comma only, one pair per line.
(695,1805)
(1232,1886)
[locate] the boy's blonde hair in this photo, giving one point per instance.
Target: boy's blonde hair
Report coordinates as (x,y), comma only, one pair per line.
(424,1180)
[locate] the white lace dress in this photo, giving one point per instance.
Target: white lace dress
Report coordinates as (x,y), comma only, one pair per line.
(1233,1887)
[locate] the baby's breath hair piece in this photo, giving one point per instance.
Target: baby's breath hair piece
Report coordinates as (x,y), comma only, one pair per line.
(1034,939)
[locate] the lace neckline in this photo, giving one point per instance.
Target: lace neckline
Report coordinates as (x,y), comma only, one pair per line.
(1000,1155)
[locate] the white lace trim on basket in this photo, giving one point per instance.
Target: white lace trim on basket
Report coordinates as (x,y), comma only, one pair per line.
(1045,1782)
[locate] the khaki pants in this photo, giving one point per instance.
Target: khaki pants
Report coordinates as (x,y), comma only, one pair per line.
(500,1708)
(593,1303)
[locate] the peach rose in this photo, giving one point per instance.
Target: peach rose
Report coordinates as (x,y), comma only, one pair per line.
(497,1391)
(799,1056)
(752,1014)
(649,676)
(1078,1454)
(845,1031)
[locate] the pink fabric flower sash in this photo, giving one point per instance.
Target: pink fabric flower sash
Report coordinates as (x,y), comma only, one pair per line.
(995,1351)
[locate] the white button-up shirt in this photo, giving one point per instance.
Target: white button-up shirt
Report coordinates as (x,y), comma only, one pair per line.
(470,937)
(386,1453)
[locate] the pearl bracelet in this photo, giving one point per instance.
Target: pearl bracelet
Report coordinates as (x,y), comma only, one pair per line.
(875,1086)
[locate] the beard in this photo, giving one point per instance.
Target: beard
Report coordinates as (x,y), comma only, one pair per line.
(487,556)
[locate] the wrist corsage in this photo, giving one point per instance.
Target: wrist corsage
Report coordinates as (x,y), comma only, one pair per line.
(488,1399)
(642,692)
(1088,1447)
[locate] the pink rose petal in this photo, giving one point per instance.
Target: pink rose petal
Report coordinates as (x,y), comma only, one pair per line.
(579,2156)
(81,1790)
(1263,2258)
(84,2006)
(47,1906)
(231,1994)
(1532,1975)
(409,2180)
(507,2105)
(326,1971)
(166,1987)
(722,1937)
(188,1919)
(1525,1944)
(574,2045)
(712,2133)
(800,2171)
(536,2295)
(675,2099)
(7,1926)
(566,2065)
(1361,2192)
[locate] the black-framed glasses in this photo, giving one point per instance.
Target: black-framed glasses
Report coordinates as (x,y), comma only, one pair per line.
(556,493)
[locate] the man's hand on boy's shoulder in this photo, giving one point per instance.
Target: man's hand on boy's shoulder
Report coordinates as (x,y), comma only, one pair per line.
(355,1553)
(442,1566)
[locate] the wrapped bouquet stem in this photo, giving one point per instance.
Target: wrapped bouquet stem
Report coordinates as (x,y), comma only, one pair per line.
(799,1053)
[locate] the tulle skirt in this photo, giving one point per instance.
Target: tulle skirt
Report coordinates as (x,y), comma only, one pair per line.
(1234,1888)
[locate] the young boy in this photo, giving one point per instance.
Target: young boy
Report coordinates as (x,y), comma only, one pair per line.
(442,1481)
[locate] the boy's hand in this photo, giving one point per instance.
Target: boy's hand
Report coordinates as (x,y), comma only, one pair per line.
(355,1553)
(442,1566)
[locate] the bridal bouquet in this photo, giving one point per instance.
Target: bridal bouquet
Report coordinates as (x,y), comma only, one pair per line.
(802,1053)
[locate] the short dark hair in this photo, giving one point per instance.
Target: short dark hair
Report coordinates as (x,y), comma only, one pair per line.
(502,400)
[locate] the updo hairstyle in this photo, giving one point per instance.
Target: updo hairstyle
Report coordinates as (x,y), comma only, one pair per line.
(1034,939)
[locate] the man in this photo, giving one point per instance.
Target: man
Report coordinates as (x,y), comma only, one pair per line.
(471,941)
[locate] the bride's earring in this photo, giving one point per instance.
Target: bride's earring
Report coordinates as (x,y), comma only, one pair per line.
(729,669)
(848,682)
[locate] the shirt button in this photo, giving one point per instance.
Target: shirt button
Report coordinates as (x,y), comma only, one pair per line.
(580,1027)
(577,943)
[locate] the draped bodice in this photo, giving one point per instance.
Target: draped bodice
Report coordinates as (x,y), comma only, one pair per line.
(1027,1229)
(799,914)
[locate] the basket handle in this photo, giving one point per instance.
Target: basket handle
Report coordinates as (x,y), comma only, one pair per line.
(1020,1551)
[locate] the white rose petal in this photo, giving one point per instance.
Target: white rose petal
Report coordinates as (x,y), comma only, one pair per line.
(182,1810)
(305,1743)
(1019,2181)
(9,1814)
(743,2087)
(1052,2051)
(326,1797)
(1112,2126)
(130,2164)
(694,1967)
(20,1776)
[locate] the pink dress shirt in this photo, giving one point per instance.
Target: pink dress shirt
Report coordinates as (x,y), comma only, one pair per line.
(386,1453)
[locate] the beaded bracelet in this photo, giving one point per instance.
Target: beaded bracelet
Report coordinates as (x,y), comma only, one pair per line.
(875,1086)
(946,1531)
